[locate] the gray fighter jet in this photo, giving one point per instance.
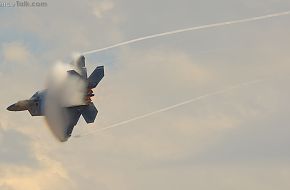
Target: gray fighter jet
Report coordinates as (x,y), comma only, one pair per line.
(70,115)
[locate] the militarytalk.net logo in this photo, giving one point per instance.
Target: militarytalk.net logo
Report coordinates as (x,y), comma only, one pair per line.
(23,4)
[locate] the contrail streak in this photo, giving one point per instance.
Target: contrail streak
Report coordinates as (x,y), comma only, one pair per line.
(165,109)
(252,19)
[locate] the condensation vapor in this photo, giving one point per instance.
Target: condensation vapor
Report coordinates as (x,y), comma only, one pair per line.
(63,91)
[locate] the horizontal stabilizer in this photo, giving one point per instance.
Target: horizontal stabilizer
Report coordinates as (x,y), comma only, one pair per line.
(74,73)
(96,77)
(89,113)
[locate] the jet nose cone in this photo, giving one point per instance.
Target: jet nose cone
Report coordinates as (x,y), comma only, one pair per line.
(11,108)
(19,106)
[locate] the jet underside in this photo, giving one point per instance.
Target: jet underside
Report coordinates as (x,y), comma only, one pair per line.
(62,119)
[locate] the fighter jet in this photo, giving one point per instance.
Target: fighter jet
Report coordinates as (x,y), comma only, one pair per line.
(62,119)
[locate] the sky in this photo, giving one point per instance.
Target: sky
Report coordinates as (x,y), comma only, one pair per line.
(235,140)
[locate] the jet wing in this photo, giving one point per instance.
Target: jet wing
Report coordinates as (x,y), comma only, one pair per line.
(73,116)
(74,73)
(61,121)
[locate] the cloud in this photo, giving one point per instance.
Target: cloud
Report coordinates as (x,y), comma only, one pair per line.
(160,151)
(15,52)
(24,166)
(15,149)
(49,175)
(249,176)
(103,7)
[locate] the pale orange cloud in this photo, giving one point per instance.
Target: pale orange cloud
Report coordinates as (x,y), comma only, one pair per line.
(16,52)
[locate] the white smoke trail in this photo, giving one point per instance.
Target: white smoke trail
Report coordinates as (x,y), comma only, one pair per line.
(252,19)
(168,108)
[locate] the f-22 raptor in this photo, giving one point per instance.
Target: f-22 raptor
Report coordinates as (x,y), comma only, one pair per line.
(70,115)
